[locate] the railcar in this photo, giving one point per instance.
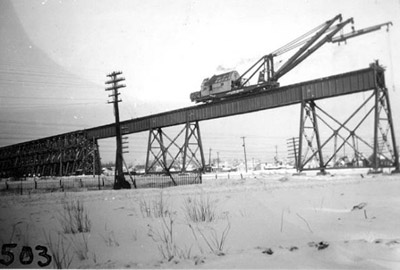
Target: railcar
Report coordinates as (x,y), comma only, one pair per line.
(215,87)
(227,85)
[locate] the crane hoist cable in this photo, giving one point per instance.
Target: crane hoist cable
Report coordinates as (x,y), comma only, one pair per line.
(308,43)
(284,48)
(300,40)
(391,60)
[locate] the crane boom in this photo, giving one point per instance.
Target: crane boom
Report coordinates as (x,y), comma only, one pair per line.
(320,35)
(304,54)
(308,44)
(361,32)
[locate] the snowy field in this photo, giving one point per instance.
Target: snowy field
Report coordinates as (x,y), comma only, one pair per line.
(345,220)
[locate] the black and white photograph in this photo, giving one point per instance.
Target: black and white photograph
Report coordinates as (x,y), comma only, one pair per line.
(199,134)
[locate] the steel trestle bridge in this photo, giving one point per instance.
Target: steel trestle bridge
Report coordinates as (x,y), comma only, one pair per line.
(77,151)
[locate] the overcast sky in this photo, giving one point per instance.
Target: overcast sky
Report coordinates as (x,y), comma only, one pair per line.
(55,55)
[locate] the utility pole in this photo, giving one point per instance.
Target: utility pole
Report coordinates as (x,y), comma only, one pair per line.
(209,157)
(119,179)
(217,161)
(61,170)
(295,154)
(244,149)
(94,157)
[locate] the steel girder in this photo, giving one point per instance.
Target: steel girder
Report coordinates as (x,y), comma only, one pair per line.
(322,88)
(39,156)
(166,155)
(314,153)
(62,155)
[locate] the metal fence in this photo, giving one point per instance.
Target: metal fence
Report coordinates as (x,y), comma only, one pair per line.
(163,181)
(84,183)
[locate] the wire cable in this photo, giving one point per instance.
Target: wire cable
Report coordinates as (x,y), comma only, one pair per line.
(277,52)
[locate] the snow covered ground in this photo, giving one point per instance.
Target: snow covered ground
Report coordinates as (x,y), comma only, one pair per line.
(345,220)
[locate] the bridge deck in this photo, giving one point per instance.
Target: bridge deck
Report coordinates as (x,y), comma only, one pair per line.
(67,153)
(337,85)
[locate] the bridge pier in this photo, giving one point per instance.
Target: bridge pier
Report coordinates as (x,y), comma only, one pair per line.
(166,155)
(308,121)
(385,152)
(63,155)
(313,153)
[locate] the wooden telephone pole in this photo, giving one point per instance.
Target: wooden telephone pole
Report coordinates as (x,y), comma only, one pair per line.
(244,149)
(119,179)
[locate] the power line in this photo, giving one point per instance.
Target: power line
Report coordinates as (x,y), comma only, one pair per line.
(48,98)
(7,65)
(45,106)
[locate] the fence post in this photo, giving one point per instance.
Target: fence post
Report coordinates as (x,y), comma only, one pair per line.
(35,184)
(99,181)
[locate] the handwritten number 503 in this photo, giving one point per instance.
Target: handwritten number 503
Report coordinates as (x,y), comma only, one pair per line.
(26,255)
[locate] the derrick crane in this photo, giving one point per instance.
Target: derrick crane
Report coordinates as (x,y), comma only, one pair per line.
(268,76)
(232,85)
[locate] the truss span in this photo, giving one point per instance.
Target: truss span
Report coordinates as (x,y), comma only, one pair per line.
(64,154)
(337,85)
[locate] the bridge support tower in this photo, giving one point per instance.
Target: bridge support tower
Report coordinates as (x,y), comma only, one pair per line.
(166,155)
(315,153)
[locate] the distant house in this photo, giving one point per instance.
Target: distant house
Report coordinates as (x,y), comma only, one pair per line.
(139,169)
(108,171)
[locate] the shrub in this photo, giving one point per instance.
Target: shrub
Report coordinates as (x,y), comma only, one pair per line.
(166,241)
(165,238)
(81,247)
(74,218)
(215,242)
(156,208)
(60,255)
(200,209)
